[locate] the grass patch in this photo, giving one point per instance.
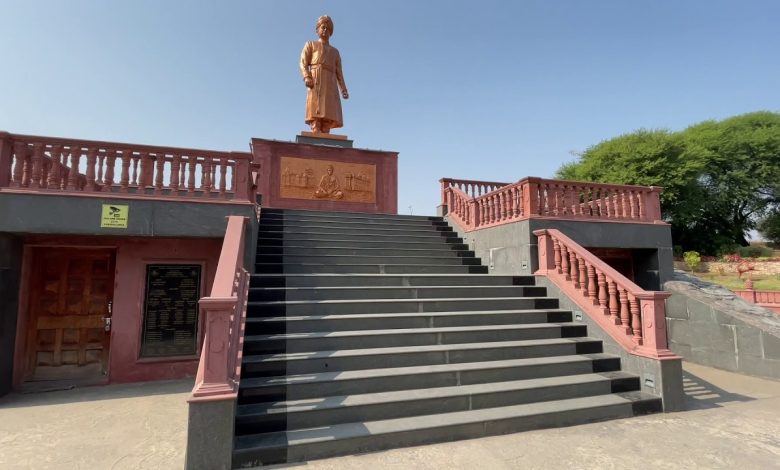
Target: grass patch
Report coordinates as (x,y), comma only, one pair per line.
(732,281)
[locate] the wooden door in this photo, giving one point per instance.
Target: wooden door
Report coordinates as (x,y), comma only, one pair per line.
(70,299)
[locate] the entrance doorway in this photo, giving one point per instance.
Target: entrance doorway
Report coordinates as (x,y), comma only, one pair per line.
(69,315)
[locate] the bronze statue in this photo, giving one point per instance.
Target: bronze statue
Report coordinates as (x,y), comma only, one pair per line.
(321,70)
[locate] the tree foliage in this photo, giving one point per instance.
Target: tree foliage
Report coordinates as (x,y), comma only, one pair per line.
(769,227)
(719,177)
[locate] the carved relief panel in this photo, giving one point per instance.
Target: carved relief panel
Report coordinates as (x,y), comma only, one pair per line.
(302,178)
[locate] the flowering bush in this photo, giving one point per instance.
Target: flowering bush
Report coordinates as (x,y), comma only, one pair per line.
(692,259)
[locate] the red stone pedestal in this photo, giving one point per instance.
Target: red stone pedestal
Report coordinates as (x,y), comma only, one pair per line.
(326,178)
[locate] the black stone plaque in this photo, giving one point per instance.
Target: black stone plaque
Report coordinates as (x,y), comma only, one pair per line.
(171,310)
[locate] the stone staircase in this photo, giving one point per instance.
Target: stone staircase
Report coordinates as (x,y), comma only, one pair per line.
(368,332)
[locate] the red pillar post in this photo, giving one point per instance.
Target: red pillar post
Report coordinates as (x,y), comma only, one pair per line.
(6,159)
(546,253)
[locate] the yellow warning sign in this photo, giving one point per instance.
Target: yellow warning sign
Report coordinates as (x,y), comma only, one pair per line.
(114,216)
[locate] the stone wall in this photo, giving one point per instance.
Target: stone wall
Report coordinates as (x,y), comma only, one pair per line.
(710,325)
(511,248)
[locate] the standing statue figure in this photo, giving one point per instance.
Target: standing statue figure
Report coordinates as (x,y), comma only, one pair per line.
(321,70)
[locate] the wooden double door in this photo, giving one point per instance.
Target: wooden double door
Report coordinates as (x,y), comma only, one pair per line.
(69,314)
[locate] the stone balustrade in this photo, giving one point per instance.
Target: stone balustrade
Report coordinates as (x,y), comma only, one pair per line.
(633,317)
(50,164)
(224,312)
(763,298)
(476,204)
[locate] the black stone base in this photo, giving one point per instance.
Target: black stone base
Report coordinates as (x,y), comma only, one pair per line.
(303,139)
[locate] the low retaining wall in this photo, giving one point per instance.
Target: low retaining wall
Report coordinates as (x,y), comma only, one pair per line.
(710,325)
(760,267)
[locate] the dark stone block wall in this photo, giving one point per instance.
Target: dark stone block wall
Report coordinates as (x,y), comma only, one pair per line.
(511,248)
(710,325)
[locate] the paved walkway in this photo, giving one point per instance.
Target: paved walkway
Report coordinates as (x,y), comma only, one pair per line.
(733,422)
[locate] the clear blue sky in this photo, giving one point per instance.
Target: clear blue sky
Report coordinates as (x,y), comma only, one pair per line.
(492,90)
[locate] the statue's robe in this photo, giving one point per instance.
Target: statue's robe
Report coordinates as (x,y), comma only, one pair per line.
(322,63)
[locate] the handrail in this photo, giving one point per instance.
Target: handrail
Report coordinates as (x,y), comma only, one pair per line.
(46,164)
(219,369)
(763,298)
(492,204)
(473,188)
(633,317)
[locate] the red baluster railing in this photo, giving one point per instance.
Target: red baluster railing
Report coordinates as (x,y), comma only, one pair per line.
(634,317)
(500,203)
(763,298)
(46,164)
(224,312)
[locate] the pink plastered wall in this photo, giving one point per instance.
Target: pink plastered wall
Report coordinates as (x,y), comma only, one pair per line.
(132,256)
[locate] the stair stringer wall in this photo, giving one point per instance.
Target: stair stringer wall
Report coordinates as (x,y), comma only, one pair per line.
(662,378)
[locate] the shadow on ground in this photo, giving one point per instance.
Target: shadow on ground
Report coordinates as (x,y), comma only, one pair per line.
(95,393)
(701,395)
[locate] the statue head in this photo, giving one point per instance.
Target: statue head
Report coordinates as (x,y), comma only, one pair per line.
(330,169)
(326,22)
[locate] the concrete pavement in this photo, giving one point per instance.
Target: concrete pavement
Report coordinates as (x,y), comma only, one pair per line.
(733,421)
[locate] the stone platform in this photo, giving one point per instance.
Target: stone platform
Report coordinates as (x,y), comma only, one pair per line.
(324,177)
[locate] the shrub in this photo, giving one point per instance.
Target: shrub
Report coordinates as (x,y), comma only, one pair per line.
(692,259)
(755,251)
(732,258)
(677,251)
(728,249)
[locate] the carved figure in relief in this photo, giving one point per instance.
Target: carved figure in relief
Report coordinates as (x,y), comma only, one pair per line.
(321,70)
(329,186)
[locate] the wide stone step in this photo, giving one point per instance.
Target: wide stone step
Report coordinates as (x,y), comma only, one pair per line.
(401,236)
(360,339)
(268,365)
(309,413)
(370,280)
(350,382)
(351,438)
(358,230)
(394,243)
(348,259)
(346,222)
(369,293)
(312,268)
(385,321)
(342,307)
(268,213)
(437,250)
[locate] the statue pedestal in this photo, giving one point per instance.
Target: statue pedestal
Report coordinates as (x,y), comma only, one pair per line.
(325,176)
(318,138)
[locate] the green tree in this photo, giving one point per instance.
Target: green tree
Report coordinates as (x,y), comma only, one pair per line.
(769,227)
(719,178)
